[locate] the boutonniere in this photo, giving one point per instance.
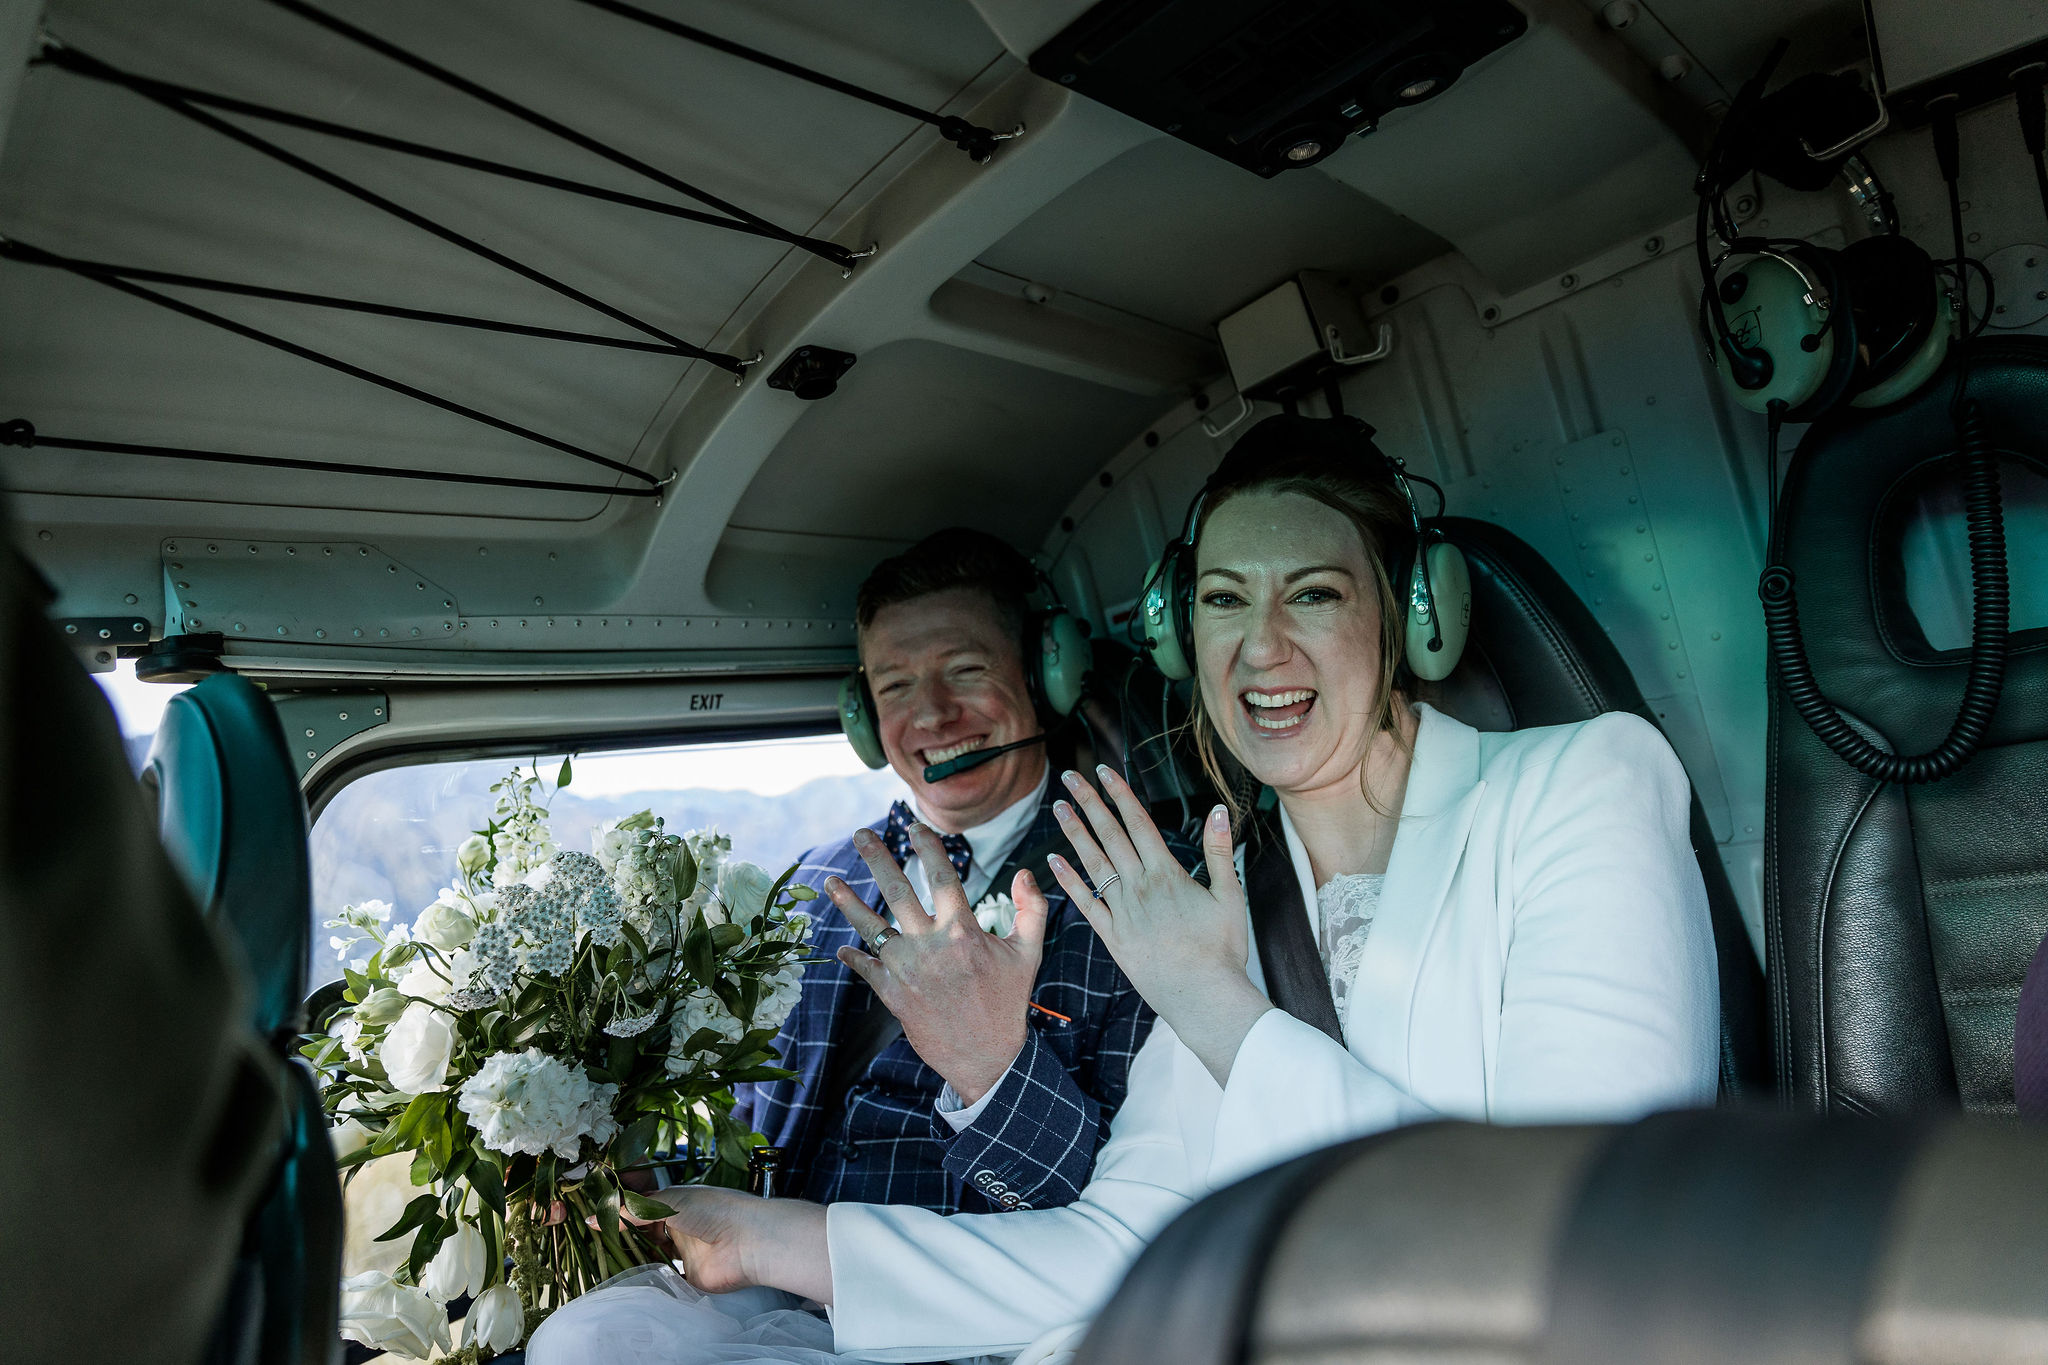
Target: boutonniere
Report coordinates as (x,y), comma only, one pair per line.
(996,913)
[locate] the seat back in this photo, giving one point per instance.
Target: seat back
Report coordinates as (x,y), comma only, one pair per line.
(1901,919)
(234,823)
(1708,1235)
(138,1112)
(1537,657)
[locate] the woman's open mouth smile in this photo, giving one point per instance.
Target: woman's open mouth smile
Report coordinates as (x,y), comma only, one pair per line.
(1278,713)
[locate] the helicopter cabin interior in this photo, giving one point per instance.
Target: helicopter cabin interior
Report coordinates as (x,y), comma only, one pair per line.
(543,376)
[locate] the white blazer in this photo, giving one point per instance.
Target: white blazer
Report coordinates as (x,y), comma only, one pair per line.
(1541,953)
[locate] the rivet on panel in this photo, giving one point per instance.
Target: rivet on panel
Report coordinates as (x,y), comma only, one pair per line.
(415,631)
(130,599)
(309,734)
(239,627)
(327,550)
(311,754)
(383,634)
(363,551)
(319,634)
(281,630)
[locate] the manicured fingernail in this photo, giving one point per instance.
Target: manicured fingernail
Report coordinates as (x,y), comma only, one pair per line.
(1055,860)
(1104,770)
(1062,811)
(1071,778)
(1220,818)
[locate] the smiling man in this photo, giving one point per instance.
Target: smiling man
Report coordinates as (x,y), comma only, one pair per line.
(965,1061)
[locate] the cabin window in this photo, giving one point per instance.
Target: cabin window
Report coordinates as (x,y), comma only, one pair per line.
(391,836)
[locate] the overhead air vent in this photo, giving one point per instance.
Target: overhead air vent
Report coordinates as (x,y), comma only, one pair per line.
(1272,85)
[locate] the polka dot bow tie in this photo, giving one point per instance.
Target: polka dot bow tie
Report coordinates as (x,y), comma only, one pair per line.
(896,837)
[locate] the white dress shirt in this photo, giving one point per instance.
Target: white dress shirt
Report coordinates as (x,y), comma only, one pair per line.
(991,842)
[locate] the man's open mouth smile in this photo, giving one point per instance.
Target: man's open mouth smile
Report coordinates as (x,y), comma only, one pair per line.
(966,746)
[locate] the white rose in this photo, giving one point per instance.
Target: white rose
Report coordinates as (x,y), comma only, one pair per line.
(415,1052)
(996,914)
(473,853)
(497,1320)
(381,1313)
(423,981)
(457,1267)
(444,925)
(744,888)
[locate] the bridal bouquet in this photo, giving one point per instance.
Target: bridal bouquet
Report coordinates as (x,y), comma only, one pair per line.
(534,1038)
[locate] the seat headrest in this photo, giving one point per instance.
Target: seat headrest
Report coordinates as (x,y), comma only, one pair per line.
(233,820)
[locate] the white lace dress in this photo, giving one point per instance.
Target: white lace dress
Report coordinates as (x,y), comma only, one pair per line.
(1345,906)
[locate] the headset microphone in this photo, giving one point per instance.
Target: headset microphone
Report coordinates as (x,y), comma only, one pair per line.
(953,767)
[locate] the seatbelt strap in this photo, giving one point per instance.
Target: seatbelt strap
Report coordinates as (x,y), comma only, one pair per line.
(1296,980)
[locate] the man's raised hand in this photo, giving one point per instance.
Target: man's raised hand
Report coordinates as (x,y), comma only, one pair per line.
(959,991)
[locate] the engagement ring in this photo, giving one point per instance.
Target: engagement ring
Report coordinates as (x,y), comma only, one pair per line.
(1107,882)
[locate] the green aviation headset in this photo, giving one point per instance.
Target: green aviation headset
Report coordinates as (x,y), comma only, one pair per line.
(1056,663)
(1428,571)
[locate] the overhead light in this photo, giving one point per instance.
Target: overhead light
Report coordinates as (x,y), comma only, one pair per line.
(1308,149)
(1415,90)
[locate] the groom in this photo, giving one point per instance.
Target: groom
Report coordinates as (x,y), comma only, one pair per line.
(960,1097)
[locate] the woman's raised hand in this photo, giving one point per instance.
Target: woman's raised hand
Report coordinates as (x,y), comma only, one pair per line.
(727,1240)
(1183,945)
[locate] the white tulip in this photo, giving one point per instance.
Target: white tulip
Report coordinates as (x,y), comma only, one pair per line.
(444,924)
(457,1267)
(415,1052)
(744,888)
(473,854)
(379,1312)
(497,1320)
(381,1006)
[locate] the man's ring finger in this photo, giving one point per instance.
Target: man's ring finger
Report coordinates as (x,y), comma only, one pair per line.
(1107,882)
(883,935)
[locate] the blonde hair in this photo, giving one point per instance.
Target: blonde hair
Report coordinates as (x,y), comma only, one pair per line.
(1379,513)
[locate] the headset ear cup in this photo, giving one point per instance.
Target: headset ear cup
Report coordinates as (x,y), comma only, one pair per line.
(1063,661)
(1450,589)
(857,720)
(1843,337)
(1159,605)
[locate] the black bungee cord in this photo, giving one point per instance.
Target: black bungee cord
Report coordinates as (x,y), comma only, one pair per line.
(21,434)
(296,296)
(72,59)
(212,99)
(830,251)
(978,142)
(22,251)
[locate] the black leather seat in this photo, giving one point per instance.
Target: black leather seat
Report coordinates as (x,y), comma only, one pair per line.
(1537,657)
(234,823)
(138,1112)
(1901,919)
(1748,1236)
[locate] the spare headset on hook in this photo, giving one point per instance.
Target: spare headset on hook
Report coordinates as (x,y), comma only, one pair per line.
(1816,329)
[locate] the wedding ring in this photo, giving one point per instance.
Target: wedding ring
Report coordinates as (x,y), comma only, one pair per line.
(1107,882)
(883,935)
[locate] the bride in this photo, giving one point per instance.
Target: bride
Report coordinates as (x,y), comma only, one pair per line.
(1512,927)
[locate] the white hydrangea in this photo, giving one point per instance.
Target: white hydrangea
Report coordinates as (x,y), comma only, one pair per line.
(528,1103)
(997,914)
(779,992)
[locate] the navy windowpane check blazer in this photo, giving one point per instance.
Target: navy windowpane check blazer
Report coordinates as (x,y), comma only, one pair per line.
(1034,1144)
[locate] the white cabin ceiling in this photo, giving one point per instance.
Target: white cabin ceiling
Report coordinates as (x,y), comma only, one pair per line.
(1022,324)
